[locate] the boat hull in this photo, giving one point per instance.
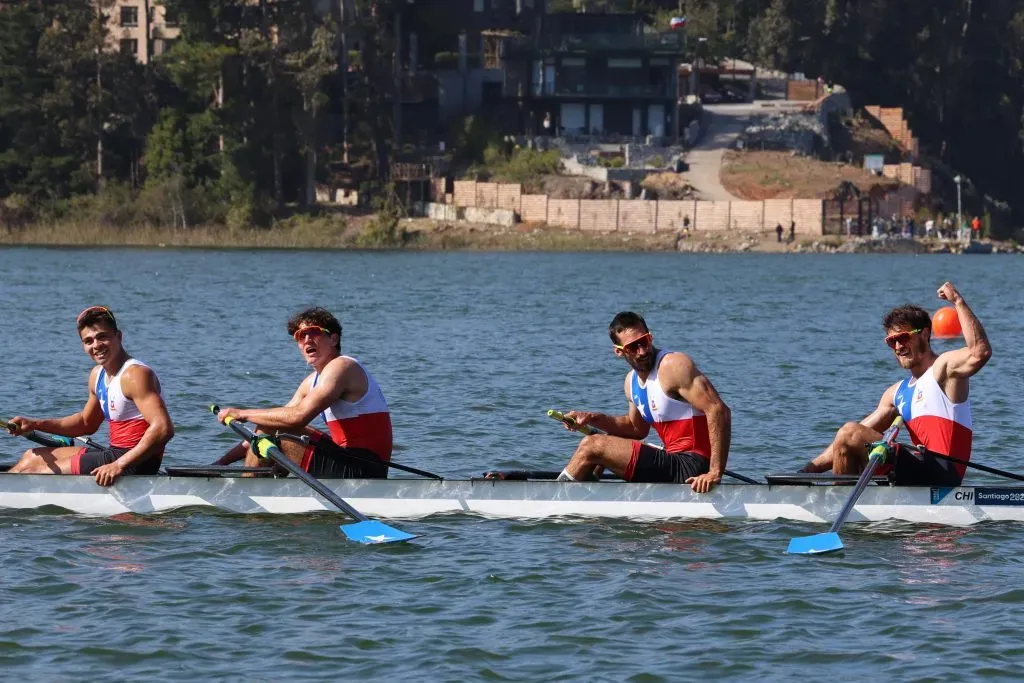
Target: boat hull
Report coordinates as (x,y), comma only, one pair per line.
(415,498)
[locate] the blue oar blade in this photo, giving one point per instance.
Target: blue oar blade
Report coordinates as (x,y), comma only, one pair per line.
(815,545)
(371,531)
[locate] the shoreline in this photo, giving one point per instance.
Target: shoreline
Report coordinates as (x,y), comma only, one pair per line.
(424,234)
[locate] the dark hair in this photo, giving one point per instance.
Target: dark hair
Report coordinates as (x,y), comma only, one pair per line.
(624,321)
(93,315)
(319,317)
(907,315)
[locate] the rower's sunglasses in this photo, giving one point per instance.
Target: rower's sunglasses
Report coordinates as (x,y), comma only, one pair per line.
(313,331)
(901,337)
(641,342)
(96,309)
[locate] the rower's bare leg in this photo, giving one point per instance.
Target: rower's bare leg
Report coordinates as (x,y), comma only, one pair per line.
(597,452)
(293,449)
(46,460)
(848,453)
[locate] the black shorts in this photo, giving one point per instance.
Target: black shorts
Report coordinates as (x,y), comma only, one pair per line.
(653,465)
(89,459)
(325,459)
(923,469)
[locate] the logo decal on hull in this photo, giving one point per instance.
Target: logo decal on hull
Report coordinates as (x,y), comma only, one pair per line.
(999,496)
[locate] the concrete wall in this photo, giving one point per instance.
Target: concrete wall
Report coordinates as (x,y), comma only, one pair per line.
(638,215)
(450,212)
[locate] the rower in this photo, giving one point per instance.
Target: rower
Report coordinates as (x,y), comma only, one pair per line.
(340,390)
(933,401)
(664,389)
(122,390)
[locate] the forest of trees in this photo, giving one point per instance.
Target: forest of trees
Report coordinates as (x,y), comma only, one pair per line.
(245,112)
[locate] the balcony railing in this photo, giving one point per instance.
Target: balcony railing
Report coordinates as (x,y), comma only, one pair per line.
(601,90)
(647,42)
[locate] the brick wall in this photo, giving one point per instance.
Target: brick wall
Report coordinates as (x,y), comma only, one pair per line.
(638,215)
(465,193)
(746,216)
(510,197)
(534,208)
(487,195)
(896,125)
(804,90)
(672,212)
(809,217)
(564,213)
(600,215)
(778,211)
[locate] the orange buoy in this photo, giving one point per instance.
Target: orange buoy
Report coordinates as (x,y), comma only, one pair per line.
(946,323)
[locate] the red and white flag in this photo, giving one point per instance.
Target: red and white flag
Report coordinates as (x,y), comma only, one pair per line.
(677,23)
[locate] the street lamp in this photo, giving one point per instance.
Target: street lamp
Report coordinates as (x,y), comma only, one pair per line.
(959,219)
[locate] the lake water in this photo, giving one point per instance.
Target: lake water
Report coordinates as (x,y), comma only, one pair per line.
(471,349)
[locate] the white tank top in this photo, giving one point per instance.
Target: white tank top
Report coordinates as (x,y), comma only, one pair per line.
(126,422)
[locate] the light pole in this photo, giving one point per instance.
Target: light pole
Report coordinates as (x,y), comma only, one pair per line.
(959,219)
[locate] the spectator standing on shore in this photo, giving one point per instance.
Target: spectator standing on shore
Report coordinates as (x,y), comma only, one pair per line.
(849,226)
(876,228)
(792,231)
(976,228)
(778,231)
(929,228)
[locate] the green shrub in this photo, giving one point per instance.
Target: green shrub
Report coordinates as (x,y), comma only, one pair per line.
(383,231)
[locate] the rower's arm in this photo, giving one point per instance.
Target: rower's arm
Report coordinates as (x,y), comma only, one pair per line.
(84,422)
(629,426)
(339,377)
(696,389)
(141,385)
(964,362)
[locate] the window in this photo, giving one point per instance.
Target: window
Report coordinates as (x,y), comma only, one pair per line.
(129,16)
(170,17)
(478,5)
(130,46)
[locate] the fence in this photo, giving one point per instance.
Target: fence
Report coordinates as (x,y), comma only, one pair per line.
(638,215)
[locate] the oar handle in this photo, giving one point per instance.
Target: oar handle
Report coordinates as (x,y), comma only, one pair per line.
(570,422)
(587,429)
(50,440)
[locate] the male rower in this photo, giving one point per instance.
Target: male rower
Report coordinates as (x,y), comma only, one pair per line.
(664,389)
(122,390)
(933,401)
(340,390)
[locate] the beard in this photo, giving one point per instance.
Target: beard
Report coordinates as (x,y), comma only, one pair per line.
(646,364)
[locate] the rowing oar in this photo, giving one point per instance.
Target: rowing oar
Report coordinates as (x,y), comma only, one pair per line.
(365,530)
(370,459)
(587,429)
(52,440)
(968,463)
(829,542)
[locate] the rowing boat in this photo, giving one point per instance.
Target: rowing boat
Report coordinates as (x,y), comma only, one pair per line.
(416,498)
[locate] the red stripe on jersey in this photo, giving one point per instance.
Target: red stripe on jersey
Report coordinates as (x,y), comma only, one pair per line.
(127,433)
(942,435)
(371,431)
(686,435)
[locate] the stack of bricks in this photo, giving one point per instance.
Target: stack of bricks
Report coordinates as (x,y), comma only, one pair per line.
(892,120)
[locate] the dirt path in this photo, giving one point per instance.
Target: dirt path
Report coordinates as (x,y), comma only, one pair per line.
(727,122)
